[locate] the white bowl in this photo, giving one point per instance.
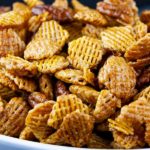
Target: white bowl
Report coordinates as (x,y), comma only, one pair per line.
(9,143)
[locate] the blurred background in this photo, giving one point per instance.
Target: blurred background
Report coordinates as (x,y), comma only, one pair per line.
(142,4)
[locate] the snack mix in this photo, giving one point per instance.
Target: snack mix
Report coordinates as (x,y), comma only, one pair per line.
(75,76)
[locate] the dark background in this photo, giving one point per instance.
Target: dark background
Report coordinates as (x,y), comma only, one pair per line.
(142,4)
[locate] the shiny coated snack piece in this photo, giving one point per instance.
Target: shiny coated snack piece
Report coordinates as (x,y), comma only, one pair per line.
(98,142)
(41,49)
(75,130)
(117,39)
(11,19)
(51,65)
(79,6)
(71,76)
(145,16)
(33,3)
(35,21)
(106,105)
(140,29)
(23,83)
(61,89)
(86,93)
(18,66)
(10,43)
(57,13)
(74,30)
(52,31)
(64,105)
(37,120)
(27,134)
(36,98)
(46,87)
(123,13)
(85,52)
(13,117)
(139,49)
(23,10)
(61,3)
(144,78)
(118,77)
(92,31)
(90,16)
(7,82)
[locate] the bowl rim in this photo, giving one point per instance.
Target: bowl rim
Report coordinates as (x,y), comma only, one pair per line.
(19,143)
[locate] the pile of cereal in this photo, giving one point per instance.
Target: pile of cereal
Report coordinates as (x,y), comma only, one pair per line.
(75,76)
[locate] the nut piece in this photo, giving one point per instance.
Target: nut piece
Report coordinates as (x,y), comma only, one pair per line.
(46,87)
(75,130)
(106,105)
(18,66)
(61,89)
(123,13)
(35,98)
(37,120)
(145,16)
(51,65)
(10,43)
(65,105)
(85,52)
(12,120)
(86,93)
(117,39)
(52,31)
(139,49)
(71,76)
(118,77)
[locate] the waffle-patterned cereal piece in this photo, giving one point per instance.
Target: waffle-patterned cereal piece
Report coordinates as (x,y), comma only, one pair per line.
(52,31)
(51,65)
(71,76)
(46,87)
(23,34)
(118,77)
(33,3)
(140,29)
(10,43)
(36,98)
(65,105)
(2,104)
(18,66)
(92,31)
(106,105)
(23,83)
(40,49)
(139,49)
(11,19)
(79,6)
(35,21)
(6,82)
(98,142)
(74,30)
(61,3)
(27,134)
(86,93)
(85,52)
(75,130)
(37,120)
(117,38)
(90,16)
(127,141)
(22,9)
(13,119)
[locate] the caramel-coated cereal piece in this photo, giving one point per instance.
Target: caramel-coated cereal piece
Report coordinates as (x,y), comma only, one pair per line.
(33,3)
